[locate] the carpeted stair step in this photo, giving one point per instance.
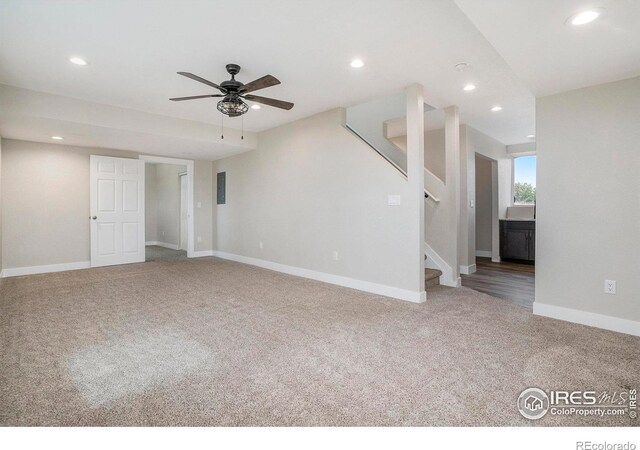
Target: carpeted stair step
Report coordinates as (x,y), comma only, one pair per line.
(431,277)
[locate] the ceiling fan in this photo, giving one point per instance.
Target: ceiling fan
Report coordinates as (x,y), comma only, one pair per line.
(233,92)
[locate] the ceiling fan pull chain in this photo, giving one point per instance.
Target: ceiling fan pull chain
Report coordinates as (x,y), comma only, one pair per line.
(242,128)
(222,126)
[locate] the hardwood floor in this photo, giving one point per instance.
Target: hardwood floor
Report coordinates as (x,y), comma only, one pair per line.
(507,280)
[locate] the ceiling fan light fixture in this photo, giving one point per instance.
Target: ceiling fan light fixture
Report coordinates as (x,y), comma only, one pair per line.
(232,106)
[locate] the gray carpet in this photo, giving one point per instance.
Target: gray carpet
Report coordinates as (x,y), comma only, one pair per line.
(211,342)
(157,253)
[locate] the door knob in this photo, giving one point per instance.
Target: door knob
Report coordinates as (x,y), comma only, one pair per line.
(95,217)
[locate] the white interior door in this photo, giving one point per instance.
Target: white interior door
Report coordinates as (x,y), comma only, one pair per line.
(117,210)
(184,212)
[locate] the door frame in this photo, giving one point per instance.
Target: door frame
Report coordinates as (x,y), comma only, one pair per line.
(190,192)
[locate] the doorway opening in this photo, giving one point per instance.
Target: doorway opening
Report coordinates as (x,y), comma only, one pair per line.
(168,208)
(504,237)
(486,206)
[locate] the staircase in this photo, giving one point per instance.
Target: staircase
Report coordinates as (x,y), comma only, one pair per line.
(382,124)
(431,278)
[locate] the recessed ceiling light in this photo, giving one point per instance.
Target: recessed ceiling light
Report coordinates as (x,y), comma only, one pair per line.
(585,17)
(531,136)
(469,87)
(78,61)
(255,106)
(496,108)
(461,67)
(57,138)
(357,63)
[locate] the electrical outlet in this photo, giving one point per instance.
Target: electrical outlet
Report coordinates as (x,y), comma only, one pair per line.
(199,238)
(335,255)
(472,203)
(261,245)
(610,287)
(199,205)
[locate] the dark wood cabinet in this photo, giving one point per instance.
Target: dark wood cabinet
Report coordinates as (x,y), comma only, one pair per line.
(518,240)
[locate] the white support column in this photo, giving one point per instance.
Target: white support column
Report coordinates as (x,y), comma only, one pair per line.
(415,175)
(452,158)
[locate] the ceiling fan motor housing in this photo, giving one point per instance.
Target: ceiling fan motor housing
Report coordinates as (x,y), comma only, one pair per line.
(232,86)
(233,69)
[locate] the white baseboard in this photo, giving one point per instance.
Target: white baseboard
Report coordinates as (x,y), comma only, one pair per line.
(484,253)
(367,286)
(587,318)
(201,253)
(163,244)
(468,270)
(19,271)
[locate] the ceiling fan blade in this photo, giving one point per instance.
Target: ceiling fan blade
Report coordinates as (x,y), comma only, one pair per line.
(260,83)
(201,80)
(179,99)
(269,101)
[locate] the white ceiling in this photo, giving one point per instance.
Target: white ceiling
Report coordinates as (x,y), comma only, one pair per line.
(552,57)
(86,135)
(36,116)
(135,48)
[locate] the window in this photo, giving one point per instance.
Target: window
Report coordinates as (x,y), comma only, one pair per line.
(524,180)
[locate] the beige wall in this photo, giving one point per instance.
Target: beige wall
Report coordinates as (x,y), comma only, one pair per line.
(46,202)
(203,191)
(588,199)
(434,151)
(484,217)
(313,188)
(150,202)
(0,203)
(45,207)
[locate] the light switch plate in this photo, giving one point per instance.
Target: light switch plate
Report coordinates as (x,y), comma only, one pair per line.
(394,200)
